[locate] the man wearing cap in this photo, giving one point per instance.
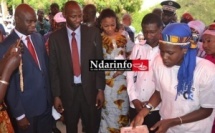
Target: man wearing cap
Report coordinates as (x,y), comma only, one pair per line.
(58,22)
(184,83)
(169,11)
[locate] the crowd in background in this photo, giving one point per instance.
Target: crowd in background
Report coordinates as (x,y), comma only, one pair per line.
(47,60)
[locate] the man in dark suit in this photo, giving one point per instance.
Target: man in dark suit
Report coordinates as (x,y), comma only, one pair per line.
(28,94)
(78,92)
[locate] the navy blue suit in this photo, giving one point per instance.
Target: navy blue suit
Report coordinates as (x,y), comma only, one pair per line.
(35,100)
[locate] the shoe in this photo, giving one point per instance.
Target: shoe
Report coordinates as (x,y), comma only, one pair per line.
(56,130)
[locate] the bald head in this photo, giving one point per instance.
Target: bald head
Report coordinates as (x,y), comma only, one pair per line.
(89,13)
(126,16)
(73,14)
(25,19)
(158,11)
(126,19)
(70,5)
(22,9)
(90,8)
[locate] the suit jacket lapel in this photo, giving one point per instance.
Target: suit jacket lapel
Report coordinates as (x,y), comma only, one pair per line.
(83,43)
(66,45)
(35,42)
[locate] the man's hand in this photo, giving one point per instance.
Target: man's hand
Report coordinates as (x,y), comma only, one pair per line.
(23,123)
(137,104)
(58,105)
(17,47)
(12,58)
(100,99)
(163,125)
(138,120)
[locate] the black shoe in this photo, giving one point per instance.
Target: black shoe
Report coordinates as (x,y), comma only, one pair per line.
(56,130)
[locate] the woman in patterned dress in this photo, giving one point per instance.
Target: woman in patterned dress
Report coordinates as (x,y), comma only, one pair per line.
(115,110)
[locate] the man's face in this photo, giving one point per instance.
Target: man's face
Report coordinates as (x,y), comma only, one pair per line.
(208,44)
(167,17)
(54,10)
(151,33)
(40,14)
(59,25)
(127,21)
(26,23)
(74,16)
(171,54)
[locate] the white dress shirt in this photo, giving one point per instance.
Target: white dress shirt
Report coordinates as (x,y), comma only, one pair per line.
(78,40)
(144,87)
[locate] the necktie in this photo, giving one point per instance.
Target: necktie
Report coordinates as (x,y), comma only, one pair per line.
(31,50)
(75,56)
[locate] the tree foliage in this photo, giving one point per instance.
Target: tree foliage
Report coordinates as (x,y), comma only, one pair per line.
(137,19)
(118,6)
(200,9)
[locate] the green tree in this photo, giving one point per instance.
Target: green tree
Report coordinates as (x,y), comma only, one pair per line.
(137,19)
(117,5)
(201,10)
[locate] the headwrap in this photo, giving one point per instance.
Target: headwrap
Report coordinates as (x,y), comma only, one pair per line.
(58,18)
(210,30)
(180,34)
(187,17)
(197,25)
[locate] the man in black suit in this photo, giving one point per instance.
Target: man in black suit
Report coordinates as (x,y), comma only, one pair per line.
(77,91)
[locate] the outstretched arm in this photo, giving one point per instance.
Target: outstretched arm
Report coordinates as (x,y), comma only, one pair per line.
(8,64)
(154,101)
(165,124)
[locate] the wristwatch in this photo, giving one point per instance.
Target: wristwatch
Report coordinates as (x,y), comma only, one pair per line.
(149,107)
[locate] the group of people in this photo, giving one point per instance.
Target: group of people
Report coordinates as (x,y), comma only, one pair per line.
(176,81)
(37,72)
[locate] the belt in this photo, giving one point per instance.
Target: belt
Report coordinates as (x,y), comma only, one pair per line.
(77,85)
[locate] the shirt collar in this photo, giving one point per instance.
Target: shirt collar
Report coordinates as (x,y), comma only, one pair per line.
(77,31)
(22,36)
